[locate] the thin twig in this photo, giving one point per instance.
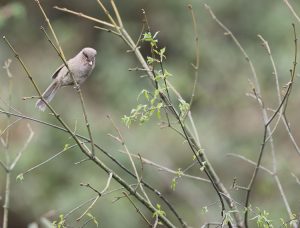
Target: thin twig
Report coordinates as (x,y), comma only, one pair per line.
(31,133)
(92,199)
(250,162)
(9,106)
(49,159)
(87,222)
(9,126)
(137,209)
(89,186)
(163,168)
(292,10)
(4,166)
(296,178)
(197,58)
(108,30)
(81,161)
(79,14)
(89,208)
(6,202)
(107,183)
(78,207)
(6,68)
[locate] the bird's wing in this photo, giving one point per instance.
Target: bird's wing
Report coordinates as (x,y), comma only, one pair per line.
(54,75)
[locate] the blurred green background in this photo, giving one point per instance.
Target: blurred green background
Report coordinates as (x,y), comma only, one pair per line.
(227,120)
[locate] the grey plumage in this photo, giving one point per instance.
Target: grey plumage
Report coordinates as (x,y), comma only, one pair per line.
(81,67)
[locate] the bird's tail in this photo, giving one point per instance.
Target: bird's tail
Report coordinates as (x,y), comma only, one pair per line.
(48,95)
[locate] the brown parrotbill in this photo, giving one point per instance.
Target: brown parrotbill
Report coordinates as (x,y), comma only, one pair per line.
(81,66)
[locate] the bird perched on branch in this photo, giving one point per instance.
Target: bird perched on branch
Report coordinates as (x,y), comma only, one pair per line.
(81,66)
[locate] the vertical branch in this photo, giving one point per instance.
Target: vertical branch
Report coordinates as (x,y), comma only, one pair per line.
(196,70)
(274,170)
(6,200)
(7,156)
(10,163)
(197,54)
(293,73)
(293,70)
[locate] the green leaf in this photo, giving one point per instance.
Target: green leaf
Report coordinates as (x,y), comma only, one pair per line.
(262,219)
(158,107)
(147,37)
(159,211)
(161,54)
(151,60)
(20,177)
(60,223)
(179,172)
(126,120)
(167,74)
(184,107)
(66,146)
(204,210)
(173,183)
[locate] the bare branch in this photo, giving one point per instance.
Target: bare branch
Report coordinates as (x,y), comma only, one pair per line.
(31,133)
(137,209)
(84,16)
(250,162)
(163,168)
(292,10)
(49,159)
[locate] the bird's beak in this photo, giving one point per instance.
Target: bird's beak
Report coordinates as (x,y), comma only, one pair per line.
(90,63)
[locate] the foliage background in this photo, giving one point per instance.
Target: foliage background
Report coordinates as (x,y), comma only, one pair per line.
(228,121)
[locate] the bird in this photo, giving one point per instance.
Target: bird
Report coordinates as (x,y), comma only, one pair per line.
(81,66)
